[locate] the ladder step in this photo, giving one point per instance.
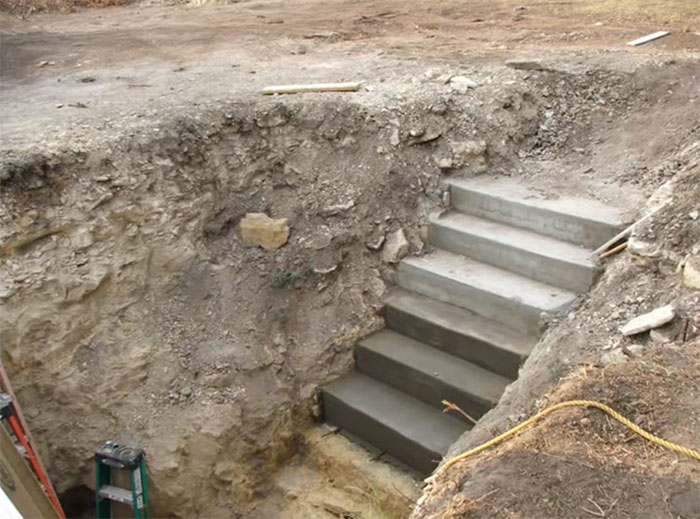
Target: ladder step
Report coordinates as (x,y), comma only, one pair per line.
(121,495)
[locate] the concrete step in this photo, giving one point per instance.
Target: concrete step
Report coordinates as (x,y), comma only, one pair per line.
(494,293)
(586,222)
(522,251)
(459,332)
(429,374)
(406,428)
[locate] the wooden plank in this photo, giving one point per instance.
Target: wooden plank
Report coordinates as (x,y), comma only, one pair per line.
(317,87)
(648,38)
(19,483)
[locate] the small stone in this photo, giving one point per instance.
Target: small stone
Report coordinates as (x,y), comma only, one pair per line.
(395,248)
(615,356)
(338,208)
(635,349)
(394,138)
(693,215)
(653,319)
(691,273)
(462,84)
(258,229)
(585,422)
(6,290)
(525,64)
(186,391)
(661,336)
(325,270)
(642,248)
(321,240)
(443,162)
(82,238)
(375,241)
(439,108)
(446,198)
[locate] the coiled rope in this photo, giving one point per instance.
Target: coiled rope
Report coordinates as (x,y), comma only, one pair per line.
(573,403)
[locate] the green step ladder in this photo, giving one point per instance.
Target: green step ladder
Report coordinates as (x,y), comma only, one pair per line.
(110,456)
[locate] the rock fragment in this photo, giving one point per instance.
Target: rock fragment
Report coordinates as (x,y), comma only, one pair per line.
(653,319)
(258,229)
(462,84)
(395,248)
(691,273)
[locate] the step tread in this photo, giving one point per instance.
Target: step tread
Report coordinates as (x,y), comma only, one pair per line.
(485,386)
(488,278)
(121,495)
(462,321)
(516,237)
(513,190)
(407,416)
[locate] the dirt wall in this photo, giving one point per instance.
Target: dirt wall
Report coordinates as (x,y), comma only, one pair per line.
(131,309)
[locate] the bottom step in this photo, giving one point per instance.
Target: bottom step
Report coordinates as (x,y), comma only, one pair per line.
(409,430)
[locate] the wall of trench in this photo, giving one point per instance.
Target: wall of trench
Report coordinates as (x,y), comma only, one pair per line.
(133,311)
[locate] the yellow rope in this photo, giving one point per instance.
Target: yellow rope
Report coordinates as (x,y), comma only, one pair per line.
(573,403)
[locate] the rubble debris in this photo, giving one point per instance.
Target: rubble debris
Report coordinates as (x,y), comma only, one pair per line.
(653,319)
(317,87)
(258,229)
(649,37)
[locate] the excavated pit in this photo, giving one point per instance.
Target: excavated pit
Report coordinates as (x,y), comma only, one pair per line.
(132,310)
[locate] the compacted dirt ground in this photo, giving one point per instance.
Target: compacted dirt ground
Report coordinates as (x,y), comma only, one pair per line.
(137,60)
(134,138)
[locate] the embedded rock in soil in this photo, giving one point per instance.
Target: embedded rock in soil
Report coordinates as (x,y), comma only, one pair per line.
(395,248)
(691,272)
(258,229)
(650,320)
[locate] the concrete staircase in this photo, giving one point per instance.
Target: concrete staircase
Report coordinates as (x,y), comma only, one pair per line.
(467,315)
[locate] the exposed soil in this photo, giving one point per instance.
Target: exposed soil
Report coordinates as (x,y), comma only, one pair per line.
(134,140)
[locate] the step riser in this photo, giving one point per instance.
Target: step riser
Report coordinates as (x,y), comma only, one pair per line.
(429,389)
(509,312)
(414,455)
(570,276)
(567,227)
(481,353)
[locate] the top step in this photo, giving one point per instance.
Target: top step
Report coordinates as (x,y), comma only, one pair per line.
(582,221)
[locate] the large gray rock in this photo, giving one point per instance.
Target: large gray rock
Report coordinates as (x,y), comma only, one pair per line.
(653,319)
(258,229)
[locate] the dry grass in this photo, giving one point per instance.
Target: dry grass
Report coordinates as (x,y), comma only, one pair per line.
(659,391)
